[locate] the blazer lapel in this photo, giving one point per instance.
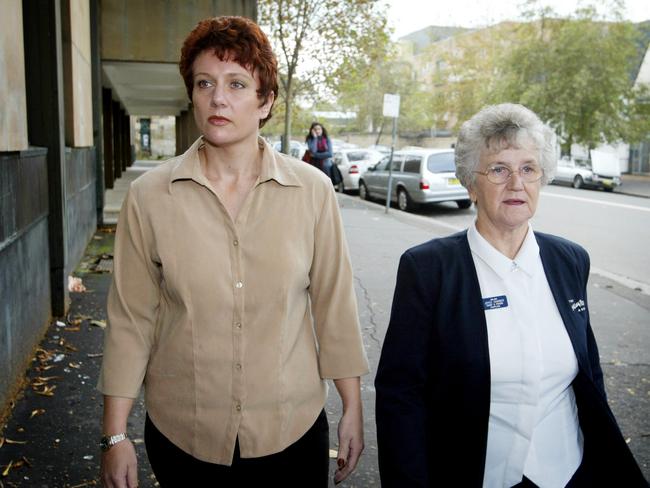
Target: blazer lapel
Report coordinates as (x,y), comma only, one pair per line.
(565,289)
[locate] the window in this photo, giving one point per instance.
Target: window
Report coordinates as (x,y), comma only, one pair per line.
(441,162)
(397,162)
(358,156)
(383,164)
(412,164)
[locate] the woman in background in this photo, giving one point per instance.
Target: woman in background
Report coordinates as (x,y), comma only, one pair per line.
(320,148)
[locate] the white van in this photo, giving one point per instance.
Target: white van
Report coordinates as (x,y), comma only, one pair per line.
(602,170)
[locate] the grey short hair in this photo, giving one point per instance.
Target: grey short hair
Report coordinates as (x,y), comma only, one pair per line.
(498,127)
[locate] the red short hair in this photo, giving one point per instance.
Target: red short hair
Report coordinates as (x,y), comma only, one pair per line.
(237,39)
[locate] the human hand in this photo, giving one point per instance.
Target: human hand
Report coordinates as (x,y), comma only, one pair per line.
(350,432)
(119,467)
(313,133)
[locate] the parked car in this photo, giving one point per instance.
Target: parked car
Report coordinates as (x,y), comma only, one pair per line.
(339,145)
(601,171)
(420,176)
(296,148)
(353,162)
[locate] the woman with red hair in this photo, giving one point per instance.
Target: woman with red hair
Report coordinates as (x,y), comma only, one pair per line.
(232,298)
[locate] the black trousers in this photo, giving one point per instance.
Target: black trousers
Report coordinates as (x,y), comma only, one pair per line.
(305,463)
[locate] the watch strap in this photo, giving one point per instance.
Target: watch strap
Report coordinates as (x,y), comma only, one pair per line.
(109,441)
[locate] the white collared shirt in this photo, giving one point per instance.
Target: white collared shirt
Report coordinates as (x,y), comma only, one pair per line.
(533,428)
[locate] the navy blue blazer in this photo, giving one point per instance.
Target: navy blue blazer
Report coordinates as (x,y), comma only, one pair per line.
(433,378)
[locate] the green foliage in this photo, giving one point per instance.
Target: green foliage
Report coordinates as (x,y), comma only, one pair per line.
(313,38)
(361,88)
(467,74)
(576,73)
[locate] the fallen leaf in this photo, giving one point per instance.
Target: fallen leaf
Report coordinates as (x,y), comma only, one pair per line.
(11,441)
(95,355)
(48,378)
(38,411)
(26,461)
(2,441)
(631,391)
(74,365)
(71,348)
(72,329)
(58,358)
(7,469)
(75,284)
(98,323)
(85,483)
(47,391)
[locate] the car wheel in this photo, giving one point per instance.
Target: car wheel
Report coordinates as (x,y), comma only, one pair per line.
(364,194)
(608,189)
(404,202)
(578,182)
(464,203)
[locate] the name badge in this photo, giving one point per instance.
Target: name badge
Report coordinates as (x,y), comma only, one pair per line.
(495,302)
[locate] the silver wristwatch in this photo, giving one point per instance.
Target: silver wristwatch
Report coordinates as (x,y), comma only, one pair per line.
(109,441)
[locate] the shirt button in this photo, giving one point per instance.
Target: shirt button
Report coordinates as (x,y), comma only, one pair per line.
(238,366)
(238,325)
(239,284)
(238,408)
(235,242)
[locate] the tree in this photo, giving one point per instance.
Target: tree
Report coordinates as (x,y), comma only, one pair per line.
(314,37)
(465,73)
(575,73)
(362,87)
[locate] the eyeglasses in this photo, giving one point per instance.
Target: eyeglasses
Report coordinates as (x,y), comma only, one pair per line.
(500,173)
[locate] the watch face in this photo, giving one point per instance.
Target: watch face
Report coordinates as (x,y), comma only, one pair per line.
(103,444)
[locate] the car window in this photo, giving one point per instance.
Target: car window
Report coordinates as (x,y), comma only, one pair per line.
(397,162)
(383,164)
(412,164)
(358,156)
(441,163)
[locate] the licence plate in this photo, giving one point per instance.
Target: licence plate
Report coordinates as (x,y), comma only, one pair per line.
(453,182)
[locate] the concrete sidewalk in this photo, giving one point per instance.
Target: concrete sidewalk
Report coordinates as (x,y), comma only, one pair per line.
(51,439)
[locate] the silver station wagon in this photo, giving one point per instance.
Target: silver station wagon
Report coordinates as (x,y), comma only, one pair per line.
(420,176)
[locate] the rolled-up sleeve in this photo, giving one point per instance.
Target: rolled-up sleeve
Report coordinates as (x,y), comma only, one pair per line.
(132,306)
(334,305)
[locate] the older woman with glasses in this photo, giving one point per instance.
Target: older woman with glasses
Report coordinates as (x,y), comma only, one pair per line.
(489,374)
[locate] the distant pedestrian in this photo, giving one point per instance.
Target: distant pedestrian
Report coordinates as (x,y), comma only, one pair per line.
(232,298)
(489,374)
(319,146)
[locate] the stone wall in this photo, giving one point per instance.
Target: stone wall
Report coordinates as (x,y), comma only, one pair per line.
(24,261)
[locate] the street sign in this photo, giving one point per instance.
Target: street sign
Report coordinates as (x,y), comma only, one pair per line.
(391,105)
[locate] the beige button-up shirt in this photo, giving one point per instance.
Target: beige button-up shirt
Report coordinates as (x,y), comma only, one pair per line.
(232,326)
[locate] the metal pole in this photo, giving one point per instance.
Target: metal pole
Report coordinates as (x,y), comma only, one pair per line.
(390,164)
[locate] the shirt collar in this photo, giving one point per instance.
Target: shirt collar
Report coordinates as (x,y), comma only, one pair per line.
(274,166)
(525,260)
